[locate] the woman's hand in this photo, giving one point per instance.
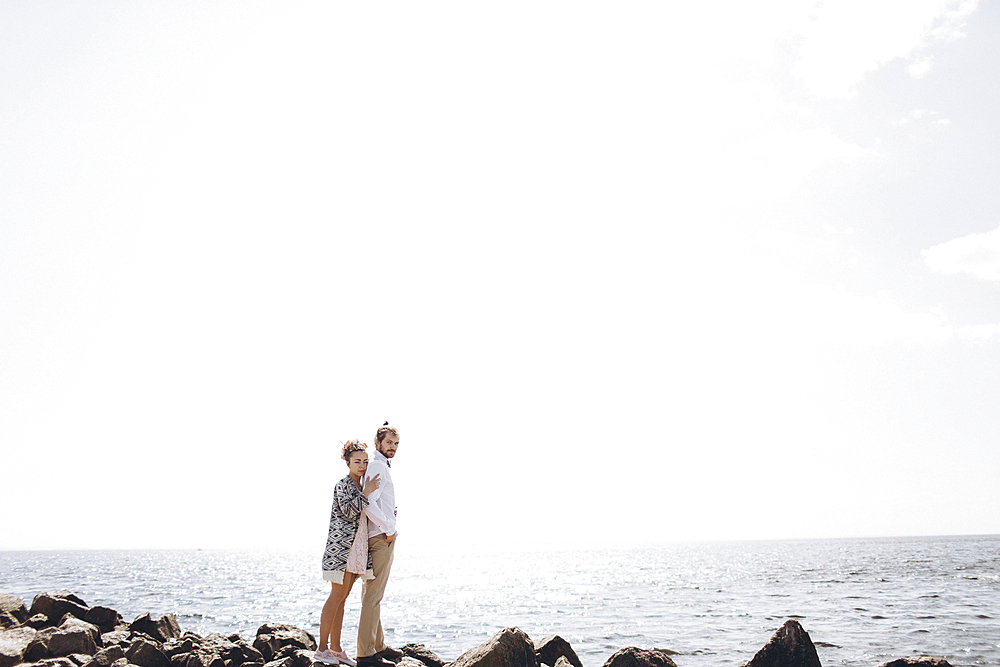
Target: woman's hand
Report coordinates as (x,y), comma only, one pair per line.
(371,485)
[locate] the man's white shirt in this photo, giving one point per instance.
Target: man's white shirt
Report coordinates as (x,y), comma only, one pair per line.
(381,508)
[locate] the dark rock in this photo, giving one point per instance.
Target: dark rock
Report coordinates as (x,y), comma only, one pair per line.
(145,653)
(510,647)
(105,618)
(630,656)
(918,661)
(160,629)
(272,637)
(116,637)
(292,657)
(79,659)
(789,646)
(71,638)
(38,649)
(549,649)
(73,623)
(56,605)
(173,647)
(197,659)
(12,610)
(421,653)
(39,621)
(13,644)
(107,656)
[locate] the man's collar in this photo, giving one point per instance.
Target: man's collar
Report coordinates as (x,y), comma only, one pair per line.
(388,461)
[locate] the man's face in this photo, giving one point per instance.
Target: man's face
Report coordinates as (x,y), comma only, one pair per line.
(388,445)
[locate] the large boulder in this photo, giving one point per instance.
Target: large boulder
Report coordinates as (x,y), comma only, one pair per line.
(917,661)
(12,610)
(272,637)
(38,649)
(551,648)
(107,656)
(631,656)
(73,637)
(510,647)
(145,653)
(73,623)
(421,653)
(56,605)
(105,618)
(789,646)
(13,643)
(161,629)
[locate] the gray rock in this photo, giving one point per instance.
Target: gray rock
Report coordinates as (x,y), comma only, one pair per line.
(407,661)
(79,659)
(105,618)
(73,623)
(56,605)
(197,659)
(13,644)
(549,649)
(630,656)
(12,610)
(918,661)
(292,657)
(160,629)
(55,662)
(107,656)
(789,646)
(563,661)
(421,653)
(510,647)
(70,639)
(38,649)
(174,647)
(39,621)
(116,637)
(145,653)
(272,637)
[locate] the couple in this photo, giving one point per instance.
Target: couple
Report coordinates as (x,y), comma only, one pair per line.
(360,543)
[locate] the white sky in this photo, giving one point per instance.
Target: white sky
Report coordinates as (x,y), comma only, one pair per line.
(645,271)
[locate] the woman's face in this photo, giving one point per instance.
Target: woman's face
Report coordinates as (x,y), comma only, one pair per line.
(358,464)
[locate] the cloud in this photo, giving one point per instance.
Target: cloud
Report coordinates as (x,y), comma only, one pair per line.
(978,254)
(845,40)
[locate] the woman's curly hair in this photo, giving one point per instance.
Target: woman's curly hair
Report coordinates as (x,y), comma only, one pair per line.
(350,447)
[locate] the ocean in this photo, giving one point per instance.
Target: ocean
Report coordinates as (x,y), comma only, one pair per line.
(863,601)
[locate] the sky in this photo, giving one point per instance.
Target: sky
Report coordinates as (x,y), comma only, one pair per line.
(620,273)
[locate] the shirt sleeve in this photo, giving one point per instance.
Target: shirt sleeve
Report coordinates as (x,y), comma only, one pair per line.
(386,524)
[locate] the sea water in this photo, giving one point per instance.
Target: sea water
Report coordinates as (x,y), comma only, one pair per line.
(863,601)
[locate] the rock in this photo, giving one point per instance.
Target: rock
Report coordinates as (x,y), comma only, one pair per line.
(71,638)
(39,621)
(73,623)
(145,653)
(38,649)
(55,662)
(105,618)
(12,610)
(272,637)
(421,653)
(563,661)
(13,644)
(549,649)
(407,661)
(508,648)
(789,646)
(197,659)
(630,656)
(116,637)
(161,629)
(918,661)
(292,657)
(174,647)
(107,656)
(79,659)
(56,605)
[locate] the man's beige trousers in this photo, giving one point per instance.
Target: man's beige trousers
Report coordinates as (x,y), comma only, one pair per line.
(370,638)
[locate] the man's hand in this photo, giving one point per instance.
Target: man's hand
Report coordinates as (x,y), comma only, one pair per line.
(389,539)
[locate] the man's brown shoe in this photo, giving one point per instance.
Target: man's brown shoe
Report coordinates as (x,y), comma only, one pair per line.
(391,654)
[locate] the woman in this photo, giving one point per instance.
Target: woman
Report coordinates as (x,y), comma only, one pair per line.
(346,555)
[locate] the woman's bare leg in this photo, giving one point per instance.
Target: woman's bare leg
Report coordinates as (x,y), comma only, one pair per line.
(338,617)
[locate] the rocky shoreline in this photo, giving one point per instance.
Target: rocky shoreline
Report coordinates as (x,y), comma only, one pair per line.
(61,630)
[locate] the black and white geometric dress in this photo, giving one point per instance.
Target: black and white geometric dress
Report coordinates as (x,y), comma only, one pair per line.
(348,506)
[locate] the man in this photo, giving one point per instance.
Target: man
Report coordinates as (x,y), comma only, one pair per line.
(381,511)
